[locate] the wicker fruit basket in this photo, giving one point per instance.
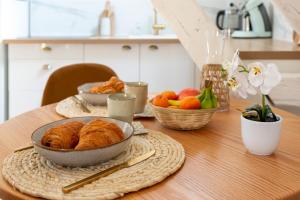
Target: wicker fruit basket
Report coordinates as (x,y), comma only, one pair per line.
(180,119)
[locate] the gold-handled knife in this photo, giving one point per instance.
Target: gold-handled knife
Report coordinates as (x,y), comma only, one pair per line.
(107,172)
(23,148)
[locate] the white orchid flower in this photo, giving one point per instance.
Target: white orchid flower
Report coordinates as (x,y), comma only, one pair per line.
(272,78)
(256,77)
(240,86)
(237,79)
(264,77)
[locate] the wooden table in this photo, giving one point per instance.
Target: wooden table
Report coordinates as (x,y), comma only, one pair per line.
(217,164)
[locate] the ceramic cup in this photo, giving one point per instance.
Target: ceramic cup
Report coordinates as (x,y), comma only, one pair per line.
(121,106)
(140,90)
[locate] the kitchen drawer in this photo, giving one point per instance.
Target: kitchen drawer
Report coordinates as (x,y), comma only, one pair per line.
(45,51)
(33,74)
(166,67)
(23,101)
(122,58)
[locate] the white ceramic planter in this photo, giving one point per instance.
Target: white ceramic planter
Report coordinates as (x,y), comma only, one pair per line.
(261,138)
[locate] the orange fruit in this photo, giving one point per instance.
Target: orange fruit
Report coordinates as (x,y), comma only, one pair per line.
(160,101)
(190,103)
(171,95)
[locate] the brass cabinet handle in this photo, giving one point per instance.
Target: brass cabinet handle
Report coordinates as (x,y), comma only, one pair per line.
(126,47)
(153,47)
(45,47)
(47,67)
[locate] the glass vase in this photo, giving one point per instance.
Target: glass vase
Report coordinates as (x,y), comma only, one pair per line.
(212,70)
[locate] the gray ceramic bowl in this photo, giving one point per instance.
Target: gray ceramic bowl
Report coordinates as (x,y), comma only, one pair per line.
(81,158)
(94,99)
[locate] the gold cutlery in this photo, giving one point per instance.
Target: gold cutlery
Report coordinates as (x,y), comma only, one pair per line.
(22,149)
(81,103)
(107,172)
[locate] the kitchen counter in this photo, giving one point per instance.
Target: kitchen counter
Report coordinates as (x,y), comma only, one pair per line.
(266,49)
(249,48)
(95,40)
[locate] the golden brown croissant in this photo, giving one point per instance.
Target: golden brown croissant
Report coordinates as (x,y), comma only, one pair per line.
(113,85)
(64,136)
(99,133)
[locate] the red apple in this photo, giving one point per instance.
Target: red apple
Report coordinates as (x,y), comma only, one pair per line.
(188,92)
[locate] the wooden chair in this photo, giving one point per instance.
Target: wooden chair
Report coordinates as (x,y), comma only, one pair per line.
(64,82)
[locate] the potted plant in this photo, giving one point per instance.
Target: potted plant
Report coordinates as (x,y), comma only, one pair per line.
(260,126)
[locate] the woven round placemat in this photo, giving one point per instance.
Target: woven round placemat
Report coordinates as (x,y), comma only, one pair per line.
(32,174)
(68,108)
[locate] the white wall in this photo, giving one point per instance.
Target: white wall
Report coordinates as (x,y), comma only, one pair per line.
(14,18)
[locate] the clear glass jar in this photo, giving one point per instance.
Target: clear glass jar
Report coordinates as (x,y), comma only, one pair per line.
(215,44)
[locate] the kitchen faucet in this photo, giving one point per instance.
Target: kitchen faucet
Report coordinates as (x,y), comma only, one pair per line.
(157,27)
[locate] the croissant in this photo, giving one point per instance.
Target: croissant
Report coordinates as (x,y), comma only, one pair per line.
(99,133)
(64,136)
(113,85)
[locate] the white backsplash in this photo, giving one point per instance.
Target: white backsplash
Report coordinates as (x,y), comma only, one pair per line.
(79,17)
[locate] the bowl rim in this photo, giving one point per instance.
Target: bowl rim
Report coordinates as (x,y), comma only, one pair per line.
(73,150)
(201,110)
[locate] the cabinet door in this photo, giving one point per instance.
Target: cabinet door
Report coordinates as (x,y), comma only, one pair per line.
(123,59)
(27,80)
(33,74)
(21,101)
(166,67)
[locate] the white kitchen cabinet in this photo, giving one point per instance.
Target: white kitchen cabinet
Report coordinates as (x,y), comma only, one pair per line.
(45,51)
(27,80)
(29,68)
(21,101)
(122,58)
(33,74)
(166,67)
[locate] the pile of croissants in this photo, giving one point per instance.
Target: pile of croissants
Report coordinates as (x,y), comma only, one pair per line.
(113,85)
(80,136)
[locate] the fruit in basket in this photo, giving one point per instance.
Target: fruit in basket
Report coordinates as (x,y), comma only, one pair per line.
(160,101)
(170,95)
(207,97)
(190,103)
(174,102)
(188,92)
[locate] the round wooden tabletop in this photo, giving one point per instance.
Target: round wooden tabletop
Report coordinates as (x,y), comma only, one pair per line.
(217,164)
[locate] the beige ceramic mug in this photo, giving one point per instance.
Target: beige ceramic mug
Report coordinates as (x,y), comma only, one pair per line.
(121,106)
(140,90)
